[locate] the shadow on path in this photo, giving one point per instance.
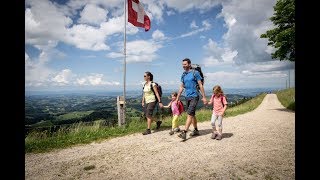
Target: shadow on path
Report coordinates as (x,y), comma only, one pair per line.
(205,132)
(283,109)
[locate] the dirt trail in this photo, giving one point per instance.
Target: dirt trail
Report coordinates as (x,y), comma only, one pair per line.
(256,145)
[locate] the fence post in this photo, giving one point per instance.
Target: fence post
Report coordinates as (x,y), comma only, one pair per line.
(120,106)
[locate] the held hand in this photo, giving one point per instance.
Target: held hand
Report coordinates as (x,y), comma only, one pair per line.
(204,100)
(160,105)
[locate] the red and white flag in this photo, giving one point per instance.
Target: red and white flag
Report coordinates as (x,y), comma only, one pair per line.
(137,16)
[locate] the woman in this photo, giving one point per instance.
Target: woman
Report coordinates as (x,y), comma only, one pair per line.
(149,99)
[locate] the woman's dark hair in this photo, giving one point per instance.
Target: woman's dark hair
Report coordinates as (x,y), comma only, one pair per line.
(150,74)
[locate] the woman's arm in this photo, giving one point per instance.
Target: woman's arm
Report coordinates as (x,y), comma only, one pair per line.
(169,105)
(157,95)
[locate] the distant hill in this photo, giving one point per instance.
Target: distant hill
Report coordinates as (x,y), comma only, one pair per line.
(67,108)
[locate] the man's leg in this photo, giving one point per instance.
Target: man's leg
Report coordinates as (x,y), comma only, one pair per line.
(191,104)
(194,122)
(188,122)
(195,132)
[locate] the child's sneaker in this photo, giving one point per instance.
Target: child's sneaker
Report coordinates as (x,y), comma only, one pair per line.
(148,131)
(171,132)
(194,133)
(183,135)
(219,137)
(176,129)
(158,124)
(213,136)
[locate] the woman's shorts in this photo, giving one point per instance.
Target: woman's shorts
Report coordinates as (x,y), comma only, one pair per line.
(149,109)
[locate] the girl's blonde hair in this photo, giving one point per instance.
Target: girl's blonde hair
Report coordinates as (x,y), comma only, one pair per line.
(217,90)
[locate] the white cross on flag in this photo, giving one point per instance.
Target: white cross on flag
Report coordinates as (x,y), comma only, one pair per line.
(137,16)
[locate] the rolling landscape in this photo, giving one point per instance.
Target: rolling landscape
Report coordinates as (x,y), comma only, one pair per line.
(49,111)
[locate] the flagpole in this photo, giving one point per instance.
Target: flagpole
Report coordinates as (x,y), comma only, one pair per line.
(124,62)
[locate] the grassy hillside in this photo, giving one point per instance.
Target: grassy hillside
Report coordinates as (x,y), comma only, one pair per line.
(80,133)
(287,98)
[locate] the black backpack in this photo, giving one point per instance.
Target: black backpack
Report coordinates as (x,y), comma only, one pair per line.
(159,88)
(196,67)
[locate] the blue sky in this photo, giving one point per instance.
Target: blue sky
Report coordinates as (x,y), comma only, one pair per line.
(78,44)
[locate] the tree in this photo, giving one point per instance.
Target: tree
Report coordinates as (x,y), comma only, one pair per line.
(283,36)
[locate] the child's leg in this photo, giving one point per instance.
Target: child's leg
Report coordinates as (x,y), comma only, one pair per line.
(213,122)
(219,129)
(175,121)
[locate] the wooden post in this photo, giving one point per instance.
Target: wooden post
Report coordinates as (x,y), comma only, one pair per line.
(120,106)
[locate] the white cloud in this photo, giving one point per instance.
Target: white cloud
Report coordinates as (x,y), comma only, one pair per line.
(86,37)
(36,72)
(154,9)
(158,35)
(81,81)
(185,5)
(245,79)
(193,24)
(45,24)
(138,51)
(268,66)
(217,55)
(92,14)
(95,80)
(30,21)
(206,26)
(170,13)
(245,22)
(112,26)
(63,77)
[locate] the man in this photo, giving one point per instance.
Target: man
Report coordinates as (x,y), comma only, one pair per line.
(189,81)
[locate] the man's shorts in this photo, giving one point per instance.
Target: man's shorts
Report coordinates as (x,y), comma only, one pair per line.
(191,105)
(149,109)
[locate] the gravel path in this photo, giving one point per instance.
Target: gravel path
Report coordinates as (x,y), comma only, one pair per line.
(256,145)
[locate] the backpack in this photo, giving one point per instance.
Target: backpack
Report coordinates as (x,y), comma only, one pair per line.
(159,88)
(196,67)
(221,99)
(180,107)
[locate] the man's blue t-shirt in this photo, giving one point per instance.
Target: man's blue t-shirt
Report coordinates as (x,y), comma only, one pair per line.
(190,84)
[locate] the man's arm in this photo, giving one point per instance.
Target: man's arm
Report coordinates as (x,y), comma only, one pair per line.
(180,91)
(202,92)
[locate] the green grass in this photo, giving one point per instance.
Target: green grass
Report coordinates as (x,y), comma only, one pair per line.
(76,114)
(80,133)
(287,98)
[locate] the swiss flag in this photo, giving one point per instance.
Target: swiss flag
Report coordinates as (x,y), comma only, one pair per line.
(137,16)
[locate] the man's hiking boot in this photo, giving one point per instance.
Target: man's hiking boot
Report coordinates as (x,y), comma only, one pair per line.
(148,131)
(219,137)
(213,136)
(194,133)
(171,132)
(158,124)
(183,135)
